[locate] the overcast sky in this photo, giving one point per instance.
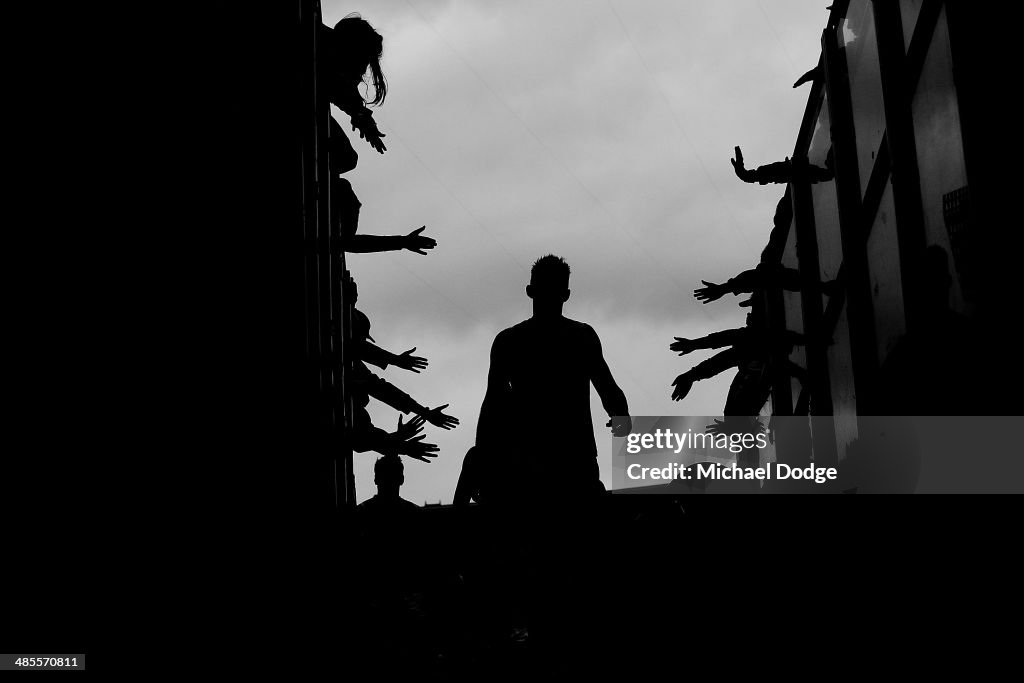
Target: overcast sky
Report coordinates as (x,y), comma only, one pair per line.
(599,131)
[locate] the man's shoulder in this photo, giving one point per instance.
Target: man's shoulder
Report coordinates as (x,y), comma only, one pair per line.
(529,327)
(512,332)
(580,326)
(378,503)
(582,330)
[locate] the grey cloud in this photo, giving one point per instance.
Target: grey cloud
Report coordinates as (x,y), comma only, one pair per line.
(565,141)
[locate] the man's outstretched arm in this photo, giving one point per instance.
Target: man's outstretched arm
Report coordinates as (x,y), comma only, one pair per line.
(612,397)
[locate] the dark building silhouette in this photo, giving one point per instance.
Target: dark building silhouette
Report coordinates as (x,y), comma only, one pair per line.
(886,177)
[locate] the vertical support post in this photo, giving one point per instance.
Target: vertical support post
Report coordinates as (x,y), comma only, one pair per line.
(848,194)
(897,96)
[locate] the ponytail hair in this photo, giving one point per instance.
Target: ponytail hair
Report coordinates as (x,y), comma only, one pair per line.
(359,38)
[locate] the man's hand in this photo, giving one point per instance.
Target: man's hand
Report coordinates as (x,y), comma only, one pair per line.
(407,361)
(682,346)
(437,418)
(741,172)
(416,242)
(709,292)
(682,385)
(621,426)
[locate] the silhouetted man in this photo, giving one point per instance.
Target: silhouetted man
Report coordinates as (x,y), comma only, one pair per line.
(536,415)
(388,475)
(389,528)
(389,573)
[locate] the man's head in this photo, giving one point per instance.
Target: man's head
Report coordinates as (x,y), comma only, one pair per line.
(360,326)
(549,283)
(756,317)
(389,474)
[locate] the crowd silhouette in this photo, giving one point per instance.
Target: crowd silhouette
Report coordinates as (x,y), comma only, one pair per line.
(352,50)
(533,470)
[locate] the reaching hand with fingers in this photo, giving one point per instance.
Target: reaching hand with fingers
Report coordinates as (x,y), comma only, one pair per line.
(742,173)
(406,431)
(368,131)
(418,449)
(436,417)
(407,361)
(407,443)
(418,243)
(682,346)
(683,383)
(709,292)
(716,427)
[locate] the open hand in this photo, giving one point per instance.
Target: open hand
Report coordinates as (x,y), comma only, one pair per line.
(414,241)
(437,418)
(368,131)
(417,449)
(716,427)
(682,385)
(407,361)
(406,431)
(741,172)
(709,292)
(682,346)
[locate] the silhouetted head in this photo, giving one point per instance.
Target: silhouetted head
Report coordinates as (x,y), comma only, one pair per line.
(350,289)
(355,48)
(777,239)
(360,326)
(389,474)
(783,211)
(549,284)
(756,314)
(933,279)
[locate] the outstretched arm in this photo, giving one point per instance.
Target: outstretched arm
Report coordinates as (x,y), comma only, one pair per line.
(715,340)
(367,244)
(764,276)
(384,391)
(784,171)
(374,355)
(720,362)
(403,441)
(612,397)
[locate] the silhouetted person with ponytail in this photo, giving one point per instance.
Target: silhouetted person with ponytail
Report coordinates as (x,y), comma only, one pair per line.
(347,52)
